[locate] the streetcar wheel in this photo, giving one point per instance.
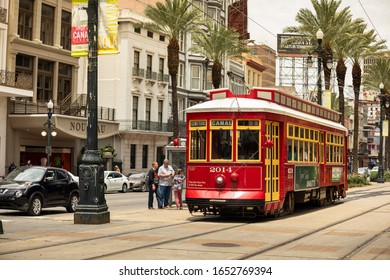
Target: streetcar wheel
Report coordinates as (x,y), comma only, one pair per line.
(35,207)
(289,203)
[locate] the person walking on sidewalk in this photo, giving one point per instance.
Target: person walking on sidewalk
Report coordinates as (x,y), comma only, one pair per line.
(178,182)
(152,181)
(165,174)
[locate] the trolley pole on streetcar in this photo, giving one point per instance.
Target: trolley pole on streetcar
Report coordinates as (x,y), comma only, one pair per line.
(381,178)
(92,207)
(329,62)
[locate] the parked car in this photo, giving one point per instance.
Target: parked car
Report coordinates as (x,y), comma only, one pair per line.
(375,168)
(31,188)
(115,181)
(364,171)
(74,177)
(138,182)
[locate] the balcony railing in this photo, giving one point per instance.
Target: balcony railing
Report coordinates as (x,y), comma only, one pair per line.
(18,80)
(151,75)
(149,126)
(26,107)
(138,72)
(163,78)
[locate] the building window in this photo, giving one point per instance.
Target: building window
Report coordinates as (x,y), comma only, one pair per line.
(160,114)
(133,151)
(45,80)
(66,20)
(135,112)
(24,65)
(47,24)
(149,60)
(137,30)
(148,107)
(162,38)
(181,42)
(144,156)
(181,75)
(25,21)
(64,81)
(150,34)
(180,103)
(161,69)
(195,77)
(136,59)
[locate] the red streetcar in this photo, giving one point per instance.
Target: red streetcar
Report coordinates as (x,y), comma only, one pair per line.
(262,152)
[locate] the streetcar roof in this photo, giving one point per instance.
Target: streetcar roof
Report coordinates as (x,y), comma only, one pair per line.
(257,105)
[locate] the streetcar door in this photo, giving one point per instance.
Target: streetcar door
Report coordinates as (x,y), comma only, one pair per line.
(272,160)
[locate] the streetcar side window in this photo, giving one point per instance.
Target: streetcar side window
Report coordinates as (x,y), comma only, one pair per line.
(221,144)
(198,140)
(221,139)
(248,140)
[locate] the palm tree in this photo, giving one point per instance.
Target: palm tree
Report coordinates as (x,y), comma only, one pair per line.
(173,18)
(348,30)
(217,44)
(379,73)
(329,19)
(360,47)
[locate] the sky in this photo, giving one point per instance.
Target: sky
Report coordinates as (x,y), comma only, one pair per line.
(267,18)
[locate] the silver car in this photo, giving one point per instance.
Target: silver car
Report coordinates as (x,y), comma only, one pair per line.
(115,181)
(138,182)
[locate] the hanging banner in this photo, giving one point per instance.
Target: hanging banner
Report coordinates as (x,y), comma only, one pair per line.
(385,130)
(107,27)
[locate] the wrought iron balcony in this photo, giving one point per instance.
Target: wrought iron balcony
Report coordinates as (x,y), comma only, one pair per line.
(149,126)
(138,72)
(17,80)
(163,78)
(27,107)
(151,75)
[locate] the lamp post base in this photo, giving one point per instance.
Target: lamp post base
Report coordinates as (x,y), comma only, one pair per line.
(94,215)
(380,180)
(92,207)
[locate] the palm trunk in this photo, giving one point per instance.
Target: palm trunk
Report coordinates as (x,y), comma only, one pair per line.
(341,71)
(173,67)
(327,71)
(216,74)
(356,81)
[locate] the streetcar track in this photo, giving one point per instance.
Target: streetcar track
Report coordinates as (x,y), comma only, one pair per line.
(173,240)
(281,244)
(364,245)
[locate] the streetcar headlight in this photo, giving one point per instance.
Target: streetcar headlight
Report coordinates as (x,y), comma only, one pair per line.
(220,180)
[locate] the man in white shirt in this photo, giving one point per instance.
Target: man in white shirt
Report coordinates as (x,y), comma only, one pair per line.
(165,174)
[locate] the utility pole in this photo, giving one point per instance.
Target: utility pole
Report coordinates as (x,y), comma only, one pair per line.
(92,207)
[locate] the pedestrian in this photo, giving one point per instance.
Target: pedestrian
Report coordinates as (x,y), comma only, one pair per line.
(165,175)
(28,163)
(116,169)
(43,161)
(152,181)
(178,182)
(11,167)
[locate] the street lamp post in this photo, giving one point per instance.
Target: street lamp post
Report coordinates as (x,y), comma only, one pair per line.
(381,178)
(92,207)
(51,130)
(319,50)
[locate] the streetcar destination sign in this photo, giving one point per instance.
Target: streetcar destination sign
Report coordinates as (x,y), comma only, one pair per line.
(221,122)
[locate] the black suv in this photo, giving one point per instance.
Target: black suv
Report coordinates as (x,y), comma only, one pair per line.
(33,188)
